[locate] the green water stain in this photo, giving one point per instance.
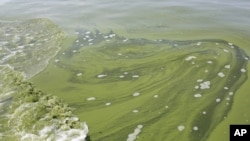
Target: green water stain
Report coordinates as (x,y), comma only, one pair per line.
(167,74)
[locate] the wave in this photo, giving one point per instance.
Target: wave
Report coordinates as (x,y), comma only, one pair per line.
(28,113)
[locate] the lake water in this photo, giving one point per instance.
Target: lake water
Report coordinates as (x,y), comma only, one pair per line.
(107,104)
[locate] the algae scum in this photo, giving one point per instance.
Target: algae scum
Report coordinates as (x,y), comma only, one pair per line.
(125,89)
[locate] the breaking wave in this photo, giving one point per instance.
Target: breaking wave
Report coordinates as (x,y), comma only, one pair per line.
(27,113)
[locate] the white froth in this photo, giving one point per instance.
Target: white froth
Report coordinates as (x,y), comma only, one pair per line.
(136,94)
(217,100)
(227,66)
(108,103)
(190,58)
(230,93)
(181,127)
(221,74)
(134,135)
(209,62)
(135,76)
(121,76)
(243,70)
(199,80)
(101,75)
(91,98)
(195,128)
(205,85)
(197,95)
(156,96)
(225,50)
(135,111)
(79,74)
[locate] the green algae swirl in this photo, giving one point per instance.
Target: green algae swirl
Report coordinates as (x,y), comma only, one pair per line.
(175,90)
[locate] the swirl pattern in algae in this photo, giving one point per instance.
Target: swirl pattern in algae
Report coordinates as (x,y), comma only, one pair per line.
(172,90)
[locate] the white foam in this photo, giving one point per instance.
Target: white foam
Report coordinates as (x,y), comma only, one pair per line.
(79,74)
(227,66)
(230,93)
(225,50)
(121,76)
(226,88)
(91,98)
(135,111)
(135,76)
(197,95)
(195,128)
(190,58)
(204,112)
(205,85)
(134,135)
(221,74)
(243,70)
(156,96)
(136,94)
(181,127)
(199,80)
(108,103)
(209,62)
(217,100)
(112,35)
(198,44)
(101,75)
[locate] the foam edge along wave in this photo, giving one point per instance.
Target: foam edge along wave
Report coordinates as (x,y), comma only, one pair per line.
(35,115)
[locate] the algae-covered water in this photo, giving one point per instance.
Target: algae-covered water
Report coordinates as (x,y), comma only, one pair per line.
(144,70)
